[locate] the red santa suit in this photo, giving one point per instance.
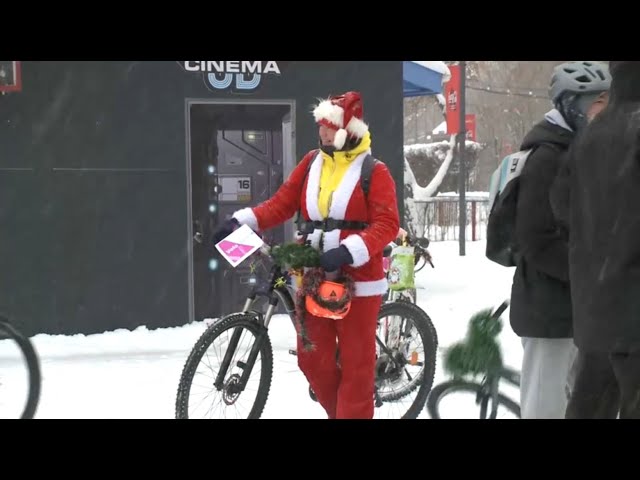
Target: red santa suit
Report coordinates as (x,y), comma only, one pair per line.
(345,391)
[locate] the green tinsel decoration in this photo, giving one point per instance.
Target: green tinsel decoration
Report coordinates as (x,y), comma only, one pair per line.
(296,256)
(480,351)
(304,259)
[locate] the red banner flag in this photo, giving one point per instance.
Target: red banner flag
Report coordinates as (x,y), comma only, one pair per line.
(470,126)
(452,99)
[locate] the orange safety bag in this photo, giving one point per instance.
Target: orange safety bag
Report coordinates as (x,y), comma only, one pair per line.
(329,300)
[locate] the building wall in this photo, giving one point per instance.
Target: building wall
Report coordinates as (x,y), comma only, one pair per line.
(93,194)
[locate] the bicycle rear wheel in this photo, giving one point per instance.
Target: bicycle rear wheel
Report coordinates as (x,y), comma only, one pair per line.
(12,344)
(482,400)
(407,352)
(229,379)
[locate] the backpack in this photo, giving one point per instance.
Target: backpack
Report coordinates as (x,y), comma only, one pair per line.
(503,202)
(368,165)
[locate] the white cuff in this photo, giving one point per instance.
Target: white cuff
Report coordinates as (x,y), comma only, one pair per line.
(372,288)
(358,250)
(247,217)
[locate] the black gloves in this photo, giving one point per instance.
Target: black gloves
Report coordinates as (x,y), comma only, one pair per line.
(225,230)
(335,258)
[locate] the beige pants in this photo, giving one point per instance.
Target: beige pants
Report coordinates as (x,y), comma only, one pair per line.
(546,380)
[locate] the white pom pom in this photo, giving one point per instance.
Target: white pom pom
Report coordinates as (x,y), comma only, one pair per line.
(340,138)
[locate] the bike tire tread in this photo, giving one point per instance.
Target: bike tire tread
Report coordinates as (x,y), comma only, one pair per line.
(206,339)
(33,365)
(440,391)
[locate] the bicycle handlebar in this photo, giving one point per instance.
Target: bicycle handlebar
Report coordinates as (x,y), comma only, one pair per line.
(420,246)
(500,310)
(266,249)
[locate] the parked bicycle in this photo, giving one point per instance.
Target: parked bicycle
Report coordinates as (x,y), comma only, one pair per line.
(421,258)
(488,397)
(422,255)
(11,339)
(405,367)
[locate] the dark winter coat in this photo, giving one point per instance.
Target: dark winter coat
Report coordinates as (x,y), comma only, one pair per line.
(540,296)
(604,221)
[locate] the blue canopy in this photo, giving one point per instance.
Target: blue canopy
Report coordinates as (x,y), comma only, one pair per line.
(419,80)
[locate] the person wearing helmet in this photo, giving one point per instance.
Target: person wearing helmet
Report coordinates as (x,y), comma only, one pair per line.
(351,231)
(604,254)
(575,87)
(540,310)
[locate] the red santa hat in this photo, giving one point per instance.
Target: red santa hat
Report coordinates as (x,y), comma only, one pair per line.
(344,114)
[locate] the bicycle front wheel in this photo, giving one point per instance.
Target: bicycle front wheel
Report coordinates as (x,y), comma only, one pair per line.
(468,400)
(17,351)
(216,377)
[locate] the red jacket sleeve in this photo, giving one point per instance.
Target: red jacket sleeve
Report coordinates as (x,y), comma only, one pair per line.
(282,205)
(384,220)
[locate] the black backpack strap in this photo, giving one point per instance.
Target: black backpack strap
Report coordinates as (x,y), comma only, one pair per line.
(368,165)
(367,170)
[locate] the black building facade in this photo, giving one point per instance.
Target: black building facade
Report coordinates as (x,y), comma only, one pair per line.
(113,176)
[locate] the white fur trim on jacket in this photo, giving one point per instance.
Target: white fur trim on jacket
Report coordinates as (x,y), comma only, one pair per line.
(313,187)
(342,195)
(328,111)
(247,217)
(339,201)
(358,250)
(371,289)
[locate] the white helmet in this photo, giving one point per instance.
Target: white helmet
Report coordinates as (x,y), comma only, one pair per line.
(579,78)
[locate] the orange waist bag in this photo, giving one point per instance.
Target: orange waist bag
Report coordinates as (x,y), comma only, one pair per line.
(329,300)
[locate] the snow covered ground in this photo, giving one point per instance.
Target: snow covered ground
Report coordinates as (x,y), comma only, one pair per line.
(126,374)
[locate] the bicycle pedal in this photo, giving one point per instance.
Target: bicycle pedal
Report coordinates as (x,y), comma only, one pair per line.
(293,352)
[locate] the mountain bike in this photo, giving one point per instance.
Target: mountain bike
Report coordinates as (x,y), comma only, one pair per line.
(11,340)
(403,369)
(486,392)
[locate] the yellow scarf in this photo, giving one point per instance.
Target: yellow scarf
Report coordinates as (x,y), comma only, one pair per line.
(333,169)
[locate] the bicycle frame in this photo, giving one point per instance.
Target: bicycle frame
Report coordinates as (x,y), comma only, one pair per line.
(276,291)
(490,388)
(511,376)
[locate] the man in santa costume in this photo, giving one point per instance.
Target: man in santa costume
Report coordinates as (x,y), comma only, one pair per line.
(326,186)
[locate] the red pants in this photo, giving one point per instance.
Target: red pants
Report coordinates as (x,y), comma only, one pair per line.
(344,391)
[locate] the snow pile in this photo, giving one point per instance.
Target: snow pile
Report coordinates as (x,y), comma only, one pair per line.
(438,149)
(118,342)
(443,152)
(134,374)
(468,195)
(440,129)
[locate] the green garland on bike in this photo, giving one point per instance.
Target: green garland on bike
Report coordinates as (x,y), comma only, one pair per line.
(480,351)
(295,256)
(304,260)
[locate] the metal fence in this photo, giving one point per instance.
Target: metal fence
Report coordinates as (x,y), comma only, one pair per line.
(439,216)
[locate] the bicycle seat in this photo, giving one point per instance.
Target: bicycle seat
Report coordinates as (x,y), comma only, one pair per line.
(387,251)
